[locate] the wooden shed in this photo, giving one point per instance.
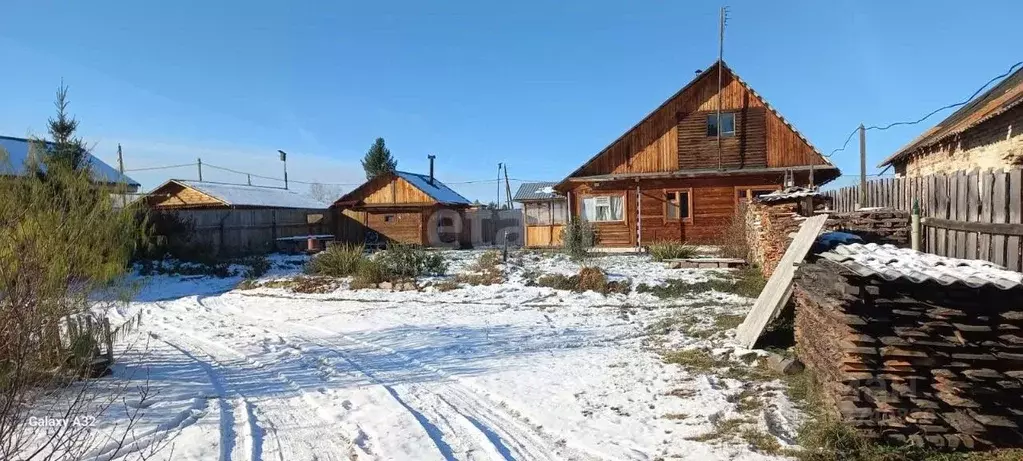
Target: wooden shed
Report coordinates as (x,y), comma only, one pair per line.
(680,172)
(235,218)
(545,213)
(403,207)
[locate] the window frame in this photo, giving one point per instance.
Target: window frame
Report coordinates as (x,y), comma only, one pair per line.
(724,134)
(625,207)
(750,189)
(667,203)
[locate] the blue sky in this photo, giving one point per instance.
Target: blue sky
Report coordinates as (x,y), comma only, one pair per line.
(541,86)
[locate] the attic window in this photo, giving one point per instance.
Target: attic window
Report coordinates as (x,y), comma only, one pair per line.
(727,124)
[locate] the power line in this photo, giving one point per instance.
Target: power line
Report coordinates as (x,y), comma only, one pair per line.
(160,167)
(931,113)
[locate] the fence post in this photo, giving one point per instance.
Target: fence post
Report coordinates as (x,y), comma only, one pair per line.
(915,231)
(108,338)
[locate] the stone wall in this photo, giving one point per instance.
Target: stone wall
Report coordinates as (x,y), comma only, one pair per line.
(771,224)
(921,363)
(994,144)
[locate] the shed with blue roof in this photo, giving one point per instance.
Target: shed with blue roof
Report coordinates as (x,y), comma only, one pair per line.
(404,207)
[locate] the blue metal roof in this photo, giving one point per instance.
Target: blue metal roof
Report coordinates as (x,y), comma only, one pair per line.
(15,151)
(537,191)
(437,191)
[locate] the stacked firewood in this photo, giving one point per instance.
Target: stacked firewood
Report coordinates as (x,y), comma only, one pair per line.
(773,222)
(911,362)
(879,226)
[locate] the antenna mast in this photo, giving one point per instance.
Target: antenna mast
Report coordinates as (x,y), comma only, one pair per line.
(721,54)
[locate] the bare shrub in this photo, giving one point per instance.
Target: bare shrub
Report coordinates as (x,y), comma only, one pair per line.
(485,271)
(589,278)
(733,240)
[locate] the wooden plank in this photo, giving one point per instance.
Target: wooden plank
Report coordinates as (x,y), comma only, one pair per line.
(778,288)
(941,211)
(984,242)
(972,211)
(930,194)
(999,215)
(961,212)
(1010,229)
(1013,259)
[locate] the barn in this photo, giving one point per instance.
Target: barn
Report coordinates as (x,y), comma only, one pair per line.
(403,207)
(236,218)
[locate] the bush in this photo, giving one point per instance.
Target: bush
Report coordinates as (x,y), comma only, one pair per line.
(369,274)
(408,260)
(485,271)
(258,266)
(733,241)
(578,237)
(663,250)
(337,261)
(588,279)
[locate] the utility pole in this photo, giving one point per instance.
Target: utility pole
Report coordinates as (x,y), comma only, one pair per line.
(863,167)
(507,188)
(249,176)
(498,202)
(120,169)
(200,169)
(721,54)
(284,159)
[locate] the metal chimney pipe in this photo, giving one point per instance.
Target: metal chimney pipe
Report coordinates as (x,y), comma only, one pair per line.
(431,157)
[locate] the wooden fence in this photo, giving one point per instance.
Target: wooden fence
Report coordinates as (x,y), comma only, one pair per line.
(234,231)
(967,214)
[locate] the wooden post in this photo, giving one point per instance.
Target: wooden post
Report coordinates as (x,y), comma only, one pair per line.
(863,167)
(639,219)
(200,169)
(915,230)
(108,339)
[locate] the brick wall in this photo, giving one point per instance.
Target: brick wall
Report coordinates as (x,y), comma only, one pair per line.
(996,143)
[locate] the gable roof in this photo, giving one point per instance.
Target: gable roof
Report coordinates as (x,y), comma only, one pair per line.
(692,83)
(18,151)
(537,191)
(1004,96)
(237,195)
(436,191)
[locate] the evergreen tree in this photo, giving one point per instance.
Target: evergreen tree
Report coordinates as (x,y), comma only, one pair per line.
(65,149)
(378,160)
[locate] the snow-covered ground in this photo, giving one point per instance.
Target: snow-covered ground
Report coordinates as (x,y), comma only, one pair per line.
(500,372)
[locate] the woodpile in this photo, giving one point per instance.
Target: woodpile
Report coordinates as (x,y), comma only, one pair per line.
(770,225)
(920,363)
(881,226)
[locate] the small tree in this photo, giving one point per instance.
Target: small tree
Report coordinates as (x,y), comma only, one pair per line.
(324,193)
(578,236)
(66,148)
(64,248)
(378,160)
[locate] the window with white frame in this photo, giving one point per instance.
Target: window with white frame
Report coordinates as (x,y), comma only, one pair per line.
(604,208)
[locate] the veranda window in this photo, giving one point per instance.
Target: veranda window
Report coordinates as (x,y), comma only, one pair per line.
(545,213)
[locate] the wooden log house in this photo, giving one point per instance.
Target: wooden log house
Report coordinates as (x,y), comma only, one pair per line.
(403,207)
(670,178)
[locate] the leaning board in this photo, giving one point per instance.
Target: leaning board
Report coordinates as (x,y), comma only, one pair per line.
(778,288)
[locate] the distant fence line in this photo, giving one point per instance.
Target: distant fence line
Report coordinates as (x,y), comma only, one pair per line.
(967,214)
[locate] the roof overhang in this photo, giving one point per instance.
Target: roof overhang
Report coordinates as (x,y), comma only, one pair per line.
(825,173)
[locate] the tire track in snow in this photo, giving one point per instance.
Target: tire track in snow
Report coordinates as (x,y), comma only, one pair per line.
(288,416)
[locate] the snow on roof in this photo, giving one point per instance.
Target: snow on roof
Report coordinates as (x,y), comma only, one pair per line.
(789,193)
(537,191)
(15,151)
(891,263)
(256,196)
(438,191)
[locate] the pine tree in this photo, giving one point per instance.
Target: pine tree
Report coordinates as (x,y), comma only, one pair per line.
(65,149)
(378,160)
